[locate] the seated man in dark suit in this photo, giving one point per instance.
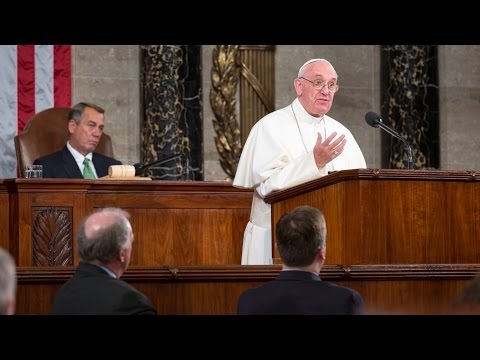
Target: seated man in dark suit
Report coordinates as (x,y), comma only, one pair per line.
(298,289)
(104,242)
(78,160)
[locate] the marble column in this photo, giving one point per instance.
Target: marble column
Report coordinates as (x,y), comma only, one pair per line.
(410,105)
(172,109)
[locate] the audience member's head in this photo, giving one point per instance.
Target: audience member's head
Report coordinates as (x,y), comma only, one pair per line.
(8,283)
(105,238)
(301,238)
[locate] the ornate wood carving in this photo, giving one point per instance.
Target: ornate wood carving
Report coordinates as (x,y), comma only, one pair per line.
(225,74)
(52,243)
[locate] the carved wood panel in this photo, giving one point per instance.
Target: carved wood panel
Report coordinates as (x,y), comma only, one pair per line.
(52,243)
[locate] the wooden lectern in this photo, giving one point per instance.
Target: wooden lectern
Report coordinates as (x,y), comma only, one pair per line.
(395,224)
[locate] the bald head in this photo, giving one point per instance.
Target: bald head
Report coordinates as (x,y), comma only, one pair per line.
(97,223)
(103,234)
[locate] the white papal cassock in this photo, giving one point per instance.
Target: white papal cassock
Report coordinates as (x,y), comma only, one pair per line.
(278,154)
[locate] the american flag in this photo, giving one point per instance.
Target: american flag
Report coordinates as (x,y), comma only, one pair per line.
(32,78)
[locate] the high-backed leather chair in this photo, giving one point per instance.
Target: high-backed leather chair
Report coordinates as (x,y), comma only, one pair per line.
(45,133)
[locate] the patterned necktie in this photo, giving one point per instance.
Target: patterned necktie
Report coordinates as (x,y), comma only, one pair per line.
(87,170)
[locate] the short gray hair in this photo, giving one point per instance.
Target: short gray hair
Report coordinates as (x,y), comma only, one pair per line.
(76,112)
(108,240)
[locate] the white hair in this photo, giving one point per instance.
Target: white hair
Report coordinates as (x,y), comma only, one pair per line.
(303,68)
(8,280)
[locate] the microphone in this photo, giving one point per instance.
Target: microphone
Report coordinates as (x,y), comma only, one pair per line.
(140,168)
(376,121)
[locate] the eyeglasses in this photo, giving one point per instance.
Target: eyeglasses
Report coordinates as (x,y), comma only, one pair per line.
(319,84)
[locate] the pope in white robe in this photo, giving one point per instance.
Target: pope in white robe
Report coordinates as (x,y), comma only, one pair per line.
(291,146)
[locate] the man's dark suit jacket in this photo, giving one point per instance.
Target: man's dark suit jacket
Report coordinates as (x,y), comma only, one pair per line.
(299,293)
(91,291)
(62,164)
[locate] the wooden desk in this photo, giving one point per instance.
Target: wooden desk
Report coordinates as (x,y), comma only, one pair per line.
(174,222)
(387,216)
(188,238)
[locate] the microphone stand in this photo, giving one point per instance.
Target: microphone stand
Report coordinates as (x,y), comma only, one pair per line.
(409,152)
(139,168)
(406,144)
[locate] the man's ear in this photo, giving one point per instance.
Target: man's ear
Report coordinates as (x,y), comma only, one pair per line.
(121,256)
(71,126)
(323,252)
(298,86)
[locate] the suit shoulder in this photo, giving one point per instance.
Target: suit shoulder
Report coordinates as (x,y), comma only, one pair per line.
(340,289)
(48,158)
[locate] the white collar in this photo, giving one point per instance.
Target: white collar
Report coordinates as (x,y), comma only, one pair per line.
(77,155)
(303,115)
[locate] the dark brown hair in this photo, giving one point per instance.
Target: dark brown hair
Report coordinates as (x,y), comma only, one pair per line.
(300,234)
